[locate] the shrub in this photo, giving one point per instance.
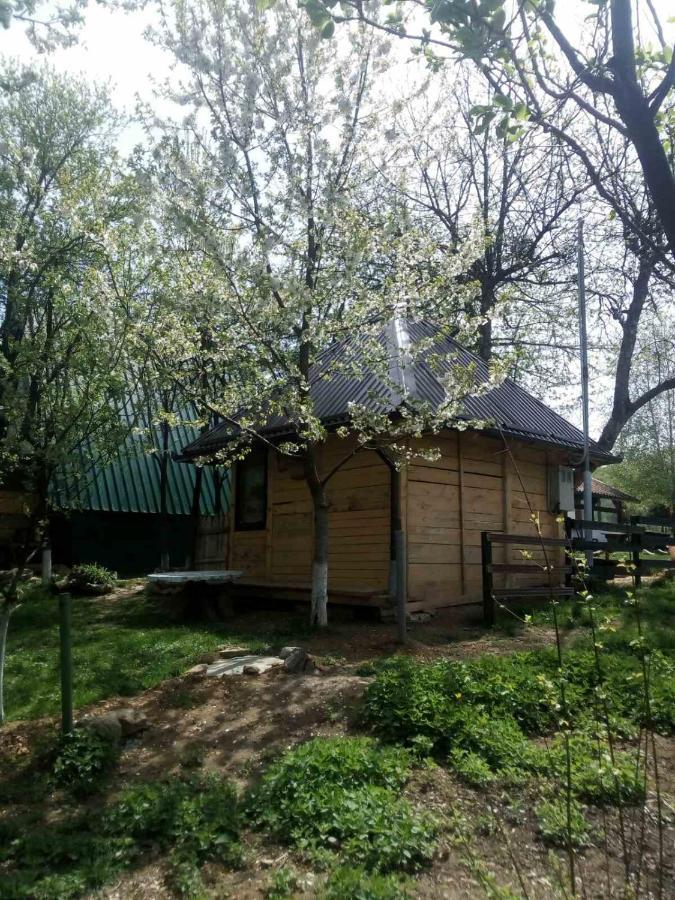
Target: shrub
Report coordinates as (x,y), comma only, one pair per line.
(347,883)
(84,759)
(594,778)
(471,768)
(192,821)
(553,826)
(340,793)
(90,578)
(60,861)
(283,884)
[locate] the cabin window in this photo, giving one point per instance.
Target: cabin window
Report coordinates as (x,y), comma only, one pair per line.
(250,504)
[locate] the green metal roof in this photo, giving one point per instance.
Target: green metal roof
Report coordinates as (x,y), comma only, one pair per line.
(130,483)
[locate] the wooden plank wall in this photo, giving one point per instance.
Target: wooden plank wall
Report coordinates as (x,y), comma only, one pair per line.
(472,487)
(212,537)
(359,523)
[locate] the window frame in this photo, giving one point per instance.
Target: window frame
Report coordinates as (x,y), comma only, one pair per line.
(259,455)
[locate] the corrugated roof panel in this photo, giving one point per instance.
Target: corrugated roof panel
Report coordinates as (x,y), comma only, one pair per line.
(130,482)
(506,407)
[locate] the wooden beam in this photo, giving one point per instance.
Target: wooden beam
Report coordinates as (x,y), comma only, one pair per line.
(462,505)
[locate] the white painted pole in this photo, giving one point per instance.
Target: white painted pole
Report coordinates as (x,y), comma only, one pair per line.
(583,344)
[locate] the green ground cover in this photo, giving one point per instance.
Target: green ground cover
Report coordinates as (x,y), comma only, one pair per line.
(119,649)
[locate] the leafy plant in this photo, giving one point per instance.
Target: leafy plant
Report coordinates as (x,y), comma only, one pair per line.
(346,883)
(343,794)
(282,884)
(553,824)
(195,820)
(90,577)
(84,759)
(595,777)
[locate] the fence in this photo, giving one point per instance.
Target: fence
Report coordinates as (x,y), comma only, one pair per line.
(630,539)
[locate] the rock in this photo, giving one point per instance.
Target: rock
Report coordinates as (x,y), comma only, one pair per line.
(420,617)
(262,664)
(116,724)
(295,660)
(234,666)
(132,721)
(310,667)
(197,671)
(107,726)
(232,652)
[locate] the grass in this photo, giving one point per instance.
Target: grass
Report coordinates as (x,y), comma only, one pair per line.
(121,647)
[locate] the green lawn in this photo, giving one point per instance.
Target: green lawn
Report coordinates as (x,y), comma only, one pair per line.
(120,648)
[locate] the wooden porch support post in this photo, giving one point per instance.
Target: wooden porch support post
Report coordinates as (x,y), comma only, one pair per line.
(462,523)
(398,564)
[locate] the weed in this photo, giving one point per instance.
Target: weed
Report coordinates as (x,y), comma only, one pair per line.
(342,794)
(346,883)
(84,759)
(282,884)
(595,778)
(471,768)
(82,579)
(552,819)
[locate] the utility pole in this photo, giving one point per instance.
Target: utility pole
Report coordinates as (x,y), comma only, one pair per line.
(583,344)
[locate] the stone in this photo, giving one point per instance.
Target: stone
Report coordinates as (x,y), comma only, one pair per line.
(262,664)
(232,652)
(420,617)
(287,651)
(197,671)
(310,667)
(132,721)
(116,724)
(295,660)
(233,666)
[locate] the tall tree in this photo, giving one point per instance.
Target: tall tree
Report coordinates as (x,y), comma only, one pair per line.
(272,204)
(617,72)
(68,222)
(458,176)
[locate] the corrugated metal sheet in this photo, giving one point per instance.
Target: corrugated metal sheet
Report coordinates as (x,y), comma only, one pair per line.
(507,406)
(130,483)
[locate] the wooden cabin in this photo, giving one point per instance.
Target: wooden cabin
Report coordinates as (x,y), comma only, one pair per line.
(493,479)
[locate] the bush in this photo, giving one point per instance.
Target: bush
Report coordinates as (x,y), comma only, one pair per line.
(347,883)
(471,768)
(196,818)
(553,825)
(90,578)
(594,778)
(84,759)
(59,862)
(342,793)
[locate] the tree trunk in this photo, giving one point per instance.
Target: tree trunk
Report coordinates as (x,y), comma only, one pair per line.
(317,489)
(319,608)
(5,613)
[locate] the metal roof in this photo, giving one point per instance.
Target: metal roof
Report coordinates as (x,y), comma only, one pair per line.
(415,378)
(601,489)
(130,482)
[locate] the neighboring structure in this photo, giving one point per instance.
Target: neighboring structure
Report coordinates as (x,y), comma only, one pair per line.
(493,479)
(608,503)
(110,515)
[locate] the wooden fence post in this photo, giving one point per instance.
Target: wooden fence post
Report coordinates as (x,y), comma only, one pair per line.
(486,561)
(635,538)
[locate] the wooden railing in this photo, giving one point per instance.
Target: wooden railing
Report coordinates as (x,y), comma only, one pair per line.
(631,539)
(546,570)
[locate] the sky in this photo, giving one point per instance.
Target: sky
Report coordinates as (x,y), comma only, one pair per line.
(111,48)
